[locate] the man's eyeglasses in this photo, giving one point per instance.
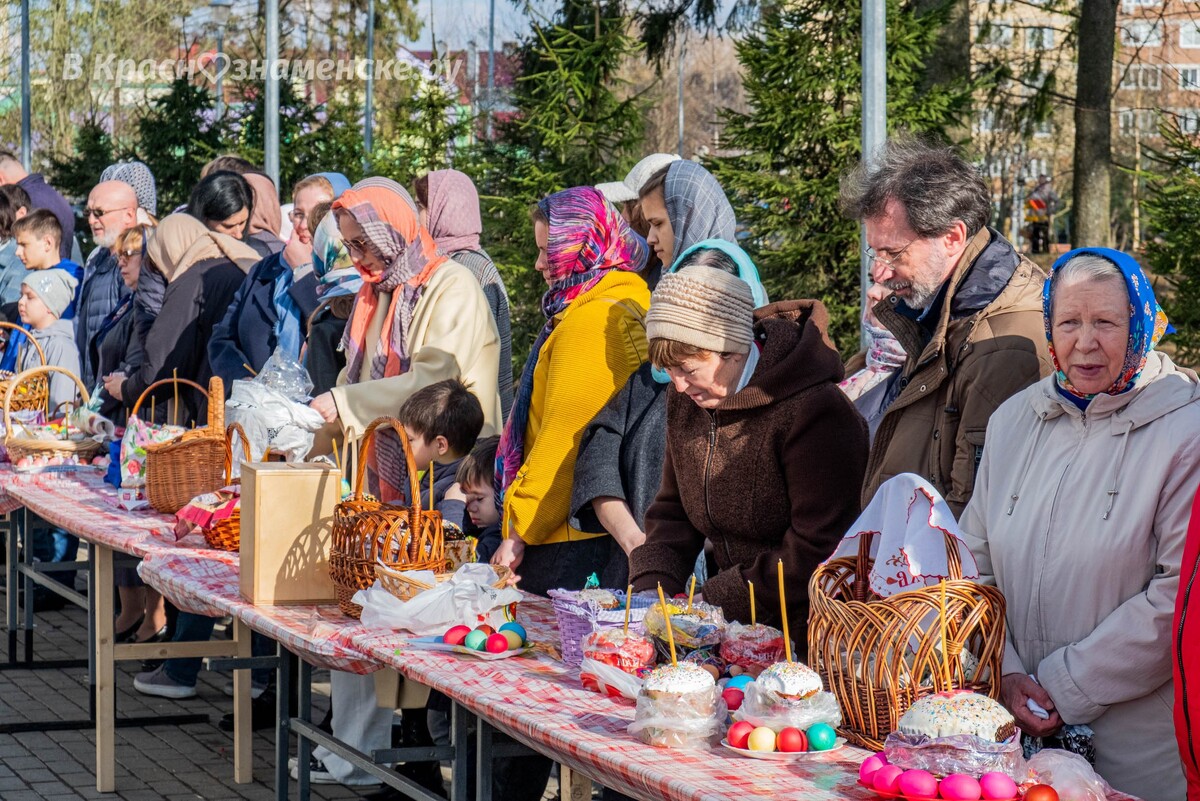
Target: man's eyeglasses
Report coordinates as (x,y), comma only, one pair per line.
(99,213)
(886,261)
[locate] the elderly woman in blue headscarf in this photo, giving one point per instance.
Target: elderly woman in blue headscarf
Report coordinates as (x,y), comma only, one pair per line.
(272,307)
(1079,516)
(621,455)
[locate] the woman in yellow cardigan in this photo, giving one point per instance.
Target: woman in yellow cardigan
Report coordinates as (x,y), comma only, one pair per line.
(593,340)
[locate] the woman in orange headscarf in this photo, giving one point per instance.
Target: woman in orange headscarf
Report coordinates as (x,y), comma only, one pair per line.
(418,319)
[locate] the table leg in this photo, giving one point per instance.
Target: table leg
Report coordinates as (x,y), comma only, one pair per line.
(460,736)
(11,576)
(483,760)
(572,785)
(304,713)
(243,730)
(100,599)
(283,714)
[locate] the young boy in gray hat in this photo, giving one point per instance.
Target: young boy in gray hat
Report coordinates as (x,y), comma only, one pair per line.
(45,295)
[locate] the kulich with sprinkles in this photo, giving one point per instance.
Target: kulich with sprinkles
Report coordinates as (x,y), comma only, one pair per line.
(790,682)
(958,712)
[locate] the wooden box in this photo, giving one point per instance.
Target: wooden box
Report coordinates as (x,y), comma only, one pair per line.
(287,518)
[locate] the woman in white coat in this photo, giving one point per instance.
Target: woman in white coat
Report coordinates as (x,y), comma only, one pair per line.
(1079,517)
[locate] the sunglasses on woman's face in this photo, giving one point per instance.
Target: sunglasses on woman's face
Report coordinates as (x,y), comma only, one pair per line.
(129,254)
(360,244)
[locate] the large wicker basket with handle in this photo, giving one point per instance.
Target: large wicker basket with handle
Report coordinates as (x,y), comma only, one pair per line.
(879,655)
(32,393)
(366,531)
(82,448)
(226,534)
(192,463)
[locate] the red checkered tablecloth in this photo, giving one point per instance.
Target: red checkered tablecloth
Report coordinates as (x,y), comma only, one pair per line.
(205,582)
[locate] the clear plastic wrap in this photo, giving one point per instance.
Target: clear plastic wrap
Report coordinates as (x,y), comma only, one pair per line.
(679,720)
(1069,774)
(286,376)
(762,709)
(755,647)
(703,627)
(961,753)
(608,680)
(629,653)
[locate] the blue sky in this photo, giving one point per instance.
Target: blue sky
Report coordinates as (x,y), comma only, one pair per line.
(458,21)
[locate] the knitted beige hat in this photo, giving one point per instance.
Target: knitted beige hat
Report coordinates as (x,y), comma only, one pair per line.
(703,307)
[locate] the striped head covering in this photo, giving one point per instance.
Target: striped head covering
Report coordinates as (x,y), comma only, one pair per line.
(696,206)
(388,218)
(454,220)
(1147,321)
(587,239)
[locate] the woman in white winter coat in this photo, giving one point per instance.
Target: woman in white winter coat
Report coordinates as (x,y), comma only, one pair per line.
(1079,516)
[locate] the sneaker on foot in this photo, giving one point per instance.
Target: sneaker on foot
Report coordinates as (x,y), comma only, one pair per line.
(255,691)
(158,683)
(317,772)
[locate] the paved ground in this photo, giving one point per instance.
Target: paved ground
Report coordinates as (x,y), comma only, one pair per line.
(172,762)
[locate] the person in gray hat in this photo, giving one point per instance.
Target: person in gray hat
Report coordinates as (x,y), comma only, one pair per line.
(45,295)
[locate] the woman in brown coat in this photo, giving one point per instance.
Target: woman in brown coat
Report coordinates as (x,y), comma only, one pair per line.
(764,452)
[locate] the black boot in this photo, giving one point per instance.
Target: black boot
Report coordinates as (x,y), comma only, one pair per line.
(414,732)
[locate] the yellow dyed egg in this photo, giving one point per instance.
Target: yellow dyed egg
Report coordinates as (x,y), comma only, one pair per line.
(514,640)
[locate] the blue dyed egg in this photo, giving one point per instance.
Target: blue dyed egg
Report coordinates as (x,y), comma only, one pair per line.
(821,737)
(740,682)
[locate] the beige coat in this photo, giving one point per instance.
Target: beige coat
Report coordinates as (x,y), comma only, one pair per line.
(1080,521)
(453,336)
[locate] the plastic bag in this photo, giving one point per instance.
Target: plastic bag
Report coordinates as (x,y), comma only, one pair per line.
(608,680)
(752,647)
(287,377)
(93,424)
(1069,774)
(272,421)
(138,435)
(466,598)
(673,720)
(761,709)
(703,627)
(631,654)
(961,753)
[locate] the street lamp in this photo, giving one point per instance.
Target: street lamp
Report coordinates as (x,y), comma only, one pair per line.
(220,13)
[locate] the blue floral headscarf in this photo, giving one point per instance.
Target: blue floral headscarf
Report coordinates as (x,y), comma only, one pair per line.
(1147,321)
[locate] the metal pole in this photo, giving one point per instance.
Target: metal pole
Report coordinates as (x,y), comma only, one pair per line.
(874,106)
(682,56)
(490,99)
(220,71)
(26,91)
(369,103)
(271,110)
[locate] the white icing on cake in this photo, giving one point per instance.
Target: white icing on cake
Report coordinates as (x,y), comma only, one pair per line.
(686,677)
(957,712)
(790,680)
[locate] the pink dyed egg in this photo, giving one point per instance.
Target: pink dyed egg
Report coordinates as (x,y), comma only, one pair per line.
(918,784)
(869,767)
(960,787)
(887,779)
(997,786)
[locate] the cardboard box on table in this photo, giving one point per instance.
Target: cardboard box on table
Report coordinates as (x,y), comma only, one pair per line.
(287,521)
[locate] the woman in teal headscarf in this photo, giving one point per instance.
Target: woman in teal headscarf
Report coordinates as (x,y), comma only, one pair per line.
(621,455)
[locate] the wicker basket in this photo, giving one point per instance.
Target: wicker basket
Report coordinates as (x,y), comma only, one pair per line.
(192,463)
(365,532)
(576,619)
(879,655)
(83,449)
(34,392)
(226,534)
(402,584)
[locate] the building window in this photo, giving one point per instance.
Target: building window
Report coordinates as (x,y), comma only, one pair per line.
(1039,38)
(1145,119)
(1141,33)
(1043,128)
(1130,6)
(1189,35)
(985,121)
(1189,76)
(1142,76)
(1189,120)
(995,34)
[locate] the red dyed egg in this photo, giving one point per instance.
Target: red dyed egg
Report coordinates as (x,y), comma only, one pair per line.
(486,629)
(887,779)
(733,698)
(739,734)
(792,740)
(1041,792)
(456,635)
(497,644)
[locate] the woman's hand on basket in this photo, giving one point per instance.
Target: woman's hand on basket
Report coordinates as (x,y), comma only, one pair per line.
(112,384)
(325,406)
(1015,691)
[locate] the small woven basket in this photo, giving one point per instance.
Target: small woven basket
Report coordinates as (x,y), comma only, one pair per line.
(84,448)
(404,586)
(192,463)
(32,393)
(365,531)
(880,655)
(576,619)
(226,534)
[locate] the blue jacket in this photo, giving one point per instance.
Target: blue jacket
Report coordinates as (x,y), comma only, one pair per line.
(246,334)
(99,293)
(17,340)
(12,272)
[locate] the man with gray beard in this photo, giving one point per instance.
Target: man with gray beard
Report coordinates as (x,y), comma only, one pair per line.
(111,208)
(966,307)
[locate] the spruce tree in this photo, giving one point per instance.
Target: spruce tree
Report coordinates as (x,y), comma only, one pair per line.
(176,137)
(803,84)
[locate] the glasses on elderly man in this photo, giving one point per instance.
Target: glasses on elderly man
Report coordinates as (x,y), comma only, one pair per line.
(873,256)
(99,213)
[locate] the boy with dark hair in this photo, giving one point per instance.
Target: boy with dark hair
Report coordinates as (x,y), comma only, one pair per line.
(39,236)
(476,476)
